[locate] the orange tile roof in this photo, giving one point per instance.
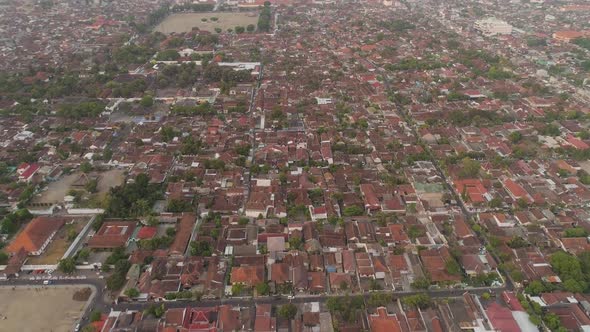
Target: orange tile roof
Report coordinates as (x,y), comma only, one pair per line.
(35,234)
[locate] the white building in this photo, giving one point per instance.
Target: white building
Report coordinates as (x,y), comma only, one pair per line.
(492,26)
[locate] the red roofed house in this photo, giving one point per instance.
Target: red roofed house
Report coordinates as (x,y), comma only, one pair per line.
(112,234)
(36,236)
(264,322)
(183,234)
(318,213)
(515,190)
(576,142)
(501,318)
(371,200)
(384,322)
(473,189)
(247,275)
(28,173)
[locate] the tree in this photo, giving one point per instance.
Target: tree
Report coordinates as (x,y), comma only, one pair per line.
(469,168)
(147,101)
(115,281)
(178,205)
(250,27)
(288,311)
(201,248)
(353,210)
(95,315)
(84,254)
(343,285)
(156,311)
(132,293)
(3,258)
(264,19)
(374,285)
(535,288)
(486,296)
(517,242)
(295,243)
(236,289)
(67,265)
(452,267)
(575,232)
(240,29)
(167,55)
(379,300)
(415,231)
(421,283)
(85,167)
(152,221)
(421,300)
(515,137)
(522,203)
(496,202)
(574,286)
(568,268)
(263,288)
(91,186)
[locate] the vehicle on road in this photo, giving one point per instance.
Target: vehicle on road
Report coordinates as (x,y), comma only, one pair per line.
(47,282)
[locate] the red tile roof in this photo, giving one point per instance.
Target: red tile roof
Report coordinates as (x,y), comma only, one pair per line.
(501,318)
(248,275)
(383,322)
(35,234)
(112,234)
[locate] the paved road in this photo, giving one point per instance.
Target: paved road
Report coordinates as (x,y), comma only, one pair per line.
(249,301)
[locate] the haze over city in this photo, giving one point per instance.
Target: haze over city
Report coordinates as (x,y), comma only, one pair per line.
(295,165)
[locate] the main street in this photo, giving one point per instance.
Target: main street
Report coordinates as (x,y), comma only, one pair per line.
(281,300)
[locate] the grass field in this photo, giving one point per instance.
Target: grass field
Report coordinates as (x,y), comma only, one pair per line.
(35,309)
(185,22)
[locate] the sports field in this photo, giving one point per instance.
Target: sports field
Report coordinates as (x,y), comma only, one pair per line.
(184,22)
(50,308)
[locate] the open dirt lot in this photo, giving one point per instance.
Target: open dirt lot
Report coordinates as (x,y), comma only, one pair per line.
(36,309)
(186,21)
(110,179)
(56,191)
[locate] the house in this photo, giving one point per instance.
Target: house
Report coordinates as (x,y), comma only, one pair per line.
(501,318)
(318,213)
(264,322)
(382,321)
(36,235)
(370,198)
(247,275)
(112,234)
(516,191)
(317,282)
(27,174)
(339,281)
(183,234)
(275,243)
(228,318)
(472,190)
